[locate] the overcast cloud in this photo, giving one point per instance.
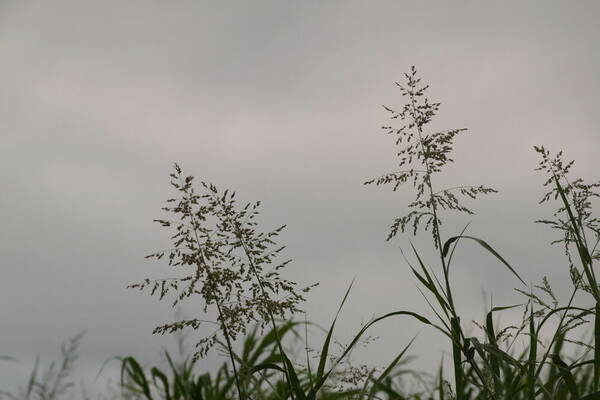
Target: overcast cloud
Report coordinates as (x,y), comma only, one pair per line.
(280,101)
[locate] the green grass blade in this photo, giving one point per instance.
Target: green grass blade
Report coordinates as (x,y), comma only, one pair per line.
(325,349)
(270,339)
(294,381)
(319,383)
(457,358)
(597,346)
(391,393)
(249,344)
(449,262)
(158,374)
(531,363)
(266,366)
(566,375)
(440,382)
(486,246)
(429,284)
(504,356)
(389,369)
(131,369)
(491,335)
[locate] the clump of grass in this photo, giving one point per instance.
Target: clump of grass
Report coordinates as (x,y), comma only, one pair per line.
(229,259)
(422,155)
(179,381)
(232,265)
(490,370)
(234,268)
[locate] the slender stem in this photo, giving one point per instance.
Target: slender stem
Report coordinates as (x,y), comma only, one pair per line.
(555,336)
(436,227)
(596,346)
(239,235)
(223,325)
(456,357)
(456,331)
(274,325)
(230,349)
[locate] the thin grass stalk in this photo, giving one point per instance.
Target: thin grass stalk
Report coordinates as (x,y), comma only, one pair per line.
(378,382)
(454,321)
(274,325)
(531,377)
(557,338)
(239,235)
(457,334)
(230,351)
(586,261)
(431,151)
(489,328)
(223,327)
(436,227)
(553,371)
(457,358)
(456,330)
(440,383)
(596,346)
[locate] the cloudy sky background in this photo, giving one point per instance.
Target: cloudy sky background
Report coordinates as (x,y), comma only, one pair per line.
(280,101)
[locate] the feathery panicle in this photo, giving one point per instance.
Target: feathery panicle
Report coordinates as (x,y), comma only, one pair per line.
(580,194)
(230,264)
(422,155)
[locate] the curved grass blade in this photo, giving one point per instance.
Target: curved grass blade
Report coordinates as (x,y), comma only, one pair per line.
(504,356)
(454,248)
(420,318)
(158,374)
(389,369)
(131,369)
(325,349)
(427,281)
(270,339)
(266,366)
(566,375)
(294,381)
(486,246)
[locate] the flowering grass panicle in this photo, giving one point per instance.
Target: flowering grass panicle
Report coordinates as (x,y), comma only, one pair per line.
(579,193)
(421,156)
(230,264)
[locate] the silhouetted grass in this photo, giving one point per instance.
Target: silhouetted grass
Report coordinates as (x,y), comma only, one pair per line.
(231,265)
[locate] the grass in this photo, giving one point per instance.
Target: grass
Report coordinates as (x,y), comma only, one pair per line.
(232,267)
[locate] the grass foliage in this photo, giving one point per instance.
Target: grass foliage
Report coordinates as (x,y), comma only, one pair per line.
(234,270)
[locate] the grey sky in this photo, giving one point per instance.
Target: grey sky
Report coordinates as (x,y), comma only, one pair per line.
(280,101)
